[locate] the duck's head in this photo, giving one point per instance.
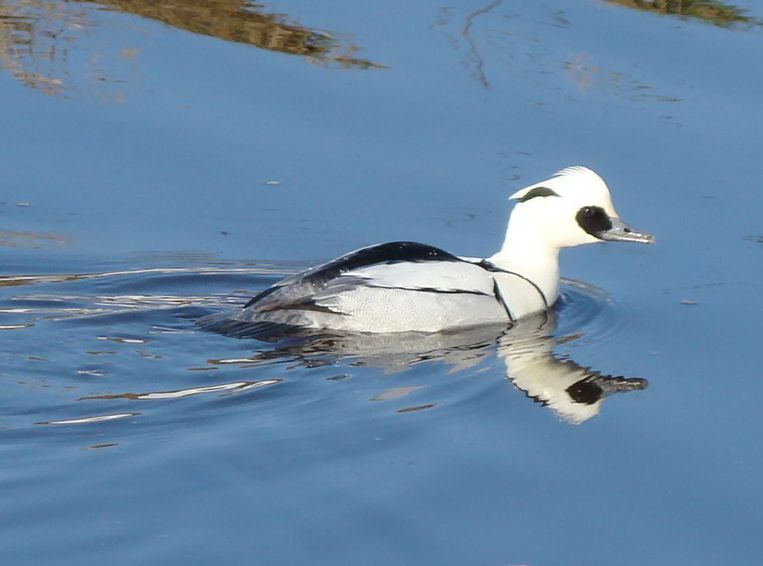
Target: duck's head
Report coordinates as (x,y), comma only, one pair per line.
(571,208)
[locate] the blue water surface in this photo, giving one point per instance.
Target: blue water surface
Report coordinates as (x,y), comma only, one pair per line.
(157,170)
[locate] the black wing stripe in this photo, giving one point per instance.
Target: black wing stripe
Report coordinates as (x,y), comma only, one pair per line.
(431,290)
(307,304)
(262,295)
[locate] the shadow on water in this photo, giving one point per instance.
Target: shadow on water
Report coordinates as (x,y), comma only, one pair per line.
(37,35)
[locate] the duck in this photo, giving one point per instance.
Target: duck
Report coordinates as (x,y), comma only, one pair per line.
(406,286)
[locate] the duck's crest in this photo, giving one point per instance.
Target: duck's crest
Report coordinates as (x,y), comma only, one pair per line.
(574,170)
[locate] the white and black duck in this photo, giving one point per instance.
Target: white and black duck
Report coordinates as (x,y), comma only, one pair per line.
(408,286)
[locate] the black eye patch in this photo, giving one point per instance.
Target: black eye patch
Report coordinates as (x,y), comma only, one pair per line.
(538,192)
(593,219)
(585,391)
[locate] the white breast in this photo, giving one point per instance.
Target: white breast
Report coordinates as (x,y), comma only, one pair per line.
(521,296)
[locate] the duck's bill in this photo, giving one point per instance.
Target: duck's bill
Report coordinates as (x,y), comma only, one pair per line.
(621,232)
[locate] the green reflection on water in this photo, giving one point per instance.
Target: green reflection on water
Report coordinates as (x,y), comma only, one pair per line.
(712,11)
(36,35)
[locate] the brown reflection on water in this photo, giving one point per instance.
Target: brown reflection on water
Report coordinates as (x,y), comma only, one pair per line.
(36,36)
(712,11)
(26,239)
(243,21)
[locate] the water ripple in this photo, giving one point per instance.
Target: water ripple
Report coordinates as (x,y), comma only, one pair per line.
(181,393)
(90,420)
(148,318)
(586,311)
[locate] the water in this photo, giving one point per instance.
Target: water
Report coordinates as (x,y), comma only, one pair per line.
(158,166)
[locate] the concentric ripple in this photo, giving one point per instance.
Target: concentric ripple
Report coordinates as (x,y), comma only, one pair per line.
(587,312)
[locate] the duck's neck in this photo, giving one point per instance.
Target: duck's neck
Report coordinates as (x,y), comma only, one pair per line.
(533,260)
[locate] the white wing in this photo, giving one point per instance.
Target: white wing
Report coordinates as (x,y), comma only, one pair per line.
(387,288)
(431,276)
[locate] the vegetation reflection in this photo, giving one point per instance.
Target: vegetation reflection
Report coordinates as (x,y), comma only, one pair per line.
(244,21)
(713,11)
(36,36)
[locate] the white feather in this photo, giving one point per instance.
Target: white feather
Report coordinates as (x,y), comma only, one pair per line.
(440,275)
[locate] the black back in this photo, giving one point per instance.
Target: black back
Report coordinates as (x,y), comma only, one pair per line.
(391,252)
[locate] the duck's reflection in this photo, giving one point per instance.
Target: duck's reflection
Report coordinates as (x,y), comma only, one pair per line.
(574,392)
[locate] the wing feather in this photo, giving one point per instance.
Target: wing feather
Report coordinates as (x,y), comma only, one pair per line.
(396,265)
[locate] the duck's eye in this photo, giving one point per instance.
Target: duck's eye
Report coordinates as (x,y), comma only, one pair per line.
(593,219)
